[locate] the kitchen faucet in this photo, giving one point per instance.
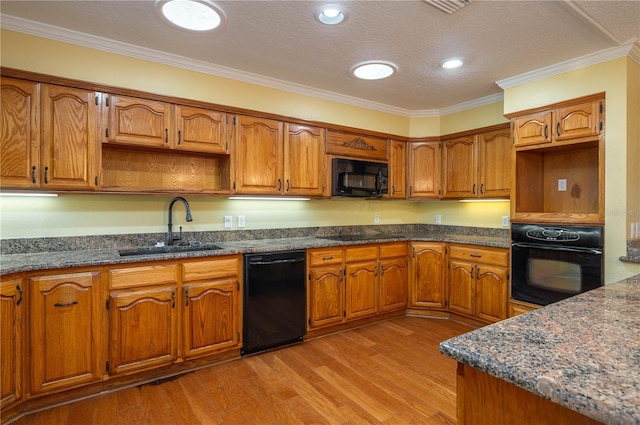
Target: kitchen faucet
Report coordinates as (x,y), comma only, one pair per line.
(170,237)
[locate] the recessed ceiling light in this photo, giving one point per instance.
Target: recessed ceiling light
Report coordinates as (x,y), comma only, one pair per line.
(452,63)
(330,14)
(373,70)
(193,15)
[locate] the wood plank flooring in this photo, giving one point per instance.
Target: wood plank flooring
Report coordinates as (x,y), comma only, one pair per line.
(385,373)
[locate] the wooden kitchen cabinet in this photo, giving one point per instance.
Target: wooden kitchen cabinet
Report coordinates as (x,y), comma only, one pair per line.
(12,320)
(138,122)
(212,309)
(354,145)
(495,159)
(459,167)
(361,276)
(427,275)
(143,317)
(305,163)
(423,169)
(66,349)
(397,169)
(48,139)
(325,305)
(478,282)
(393,277)
(201,130)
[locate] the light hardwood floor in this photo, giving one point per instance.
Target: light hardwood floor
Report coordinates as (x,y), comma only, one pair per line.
(386,373)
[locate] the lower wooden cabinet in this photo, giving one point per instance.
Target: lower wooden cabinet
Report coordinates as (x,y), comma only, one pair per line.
(427,275)
(517,307)
(361,276)
(12,312)
(478,282)
(325,305)
(65,345)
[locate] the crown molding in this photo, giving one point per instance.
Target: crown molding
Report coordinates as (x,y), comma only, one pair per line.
(629,48)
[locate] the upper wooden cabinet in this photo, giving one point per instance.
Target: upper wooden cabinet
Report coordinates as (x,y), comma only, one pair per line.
(478,164)
(161,125)
(354,145)
(423,169)
(48,137)
(576,120)
(276,158)
(397,169)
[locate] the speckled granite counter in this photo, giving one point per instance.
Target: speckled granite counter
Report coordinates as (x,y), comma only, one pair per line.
(53,253)
(582,353)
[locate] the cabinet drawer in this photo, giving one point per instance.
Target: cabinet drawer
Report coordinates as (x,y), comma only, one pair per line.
(361,253)
(142,276)
(393,250)
(323,257)
(355,145)
(210,269)
(496,256)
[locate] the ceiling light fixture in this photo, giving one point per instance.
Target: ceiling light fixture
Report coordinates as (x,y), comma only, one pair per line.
(452,63)
(192,15)
(373,70)
(330,14)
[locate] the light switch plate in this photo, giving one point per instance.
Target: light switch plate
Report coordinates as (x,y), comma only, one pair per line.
(438,219)
(505,221)
(240,221)
(227,222)
(562,185)
(376,218)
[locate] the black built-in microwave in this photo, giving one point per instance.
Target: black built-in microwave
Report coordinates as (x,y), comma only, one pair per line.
(355,178)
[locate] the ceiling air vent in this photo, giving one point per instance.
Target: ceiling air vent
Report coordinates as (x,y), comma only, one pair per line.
(448,6)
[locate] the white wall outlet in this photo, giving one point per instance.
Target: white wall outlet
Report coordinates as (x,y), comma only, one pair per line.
(438,219)
(562,185)
(505,221)
(227,222)
(376,218)
(240,221)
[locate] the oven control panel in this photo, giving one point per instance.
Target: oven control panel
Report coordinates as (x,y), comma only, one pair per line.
(553,234)
(582,236)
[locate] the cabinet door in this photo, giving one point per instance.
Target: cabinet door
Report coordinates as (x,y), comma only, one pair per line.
(304,160)
(326,296)
(397,169)
(491,293)
(427,287)
(211,312)
(258,156)
(361,290)
(424,169)
(201,130)
(576,121)
(69,140)
(532,129)
(11,338)
(143,329)
(19,134)
(393,284)
(64,336)
(461,287)
(495,154)
(459,167)
(139,122)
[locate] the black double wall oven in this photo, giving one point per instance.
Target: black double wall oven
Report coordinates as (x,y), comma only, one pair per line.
(552,262)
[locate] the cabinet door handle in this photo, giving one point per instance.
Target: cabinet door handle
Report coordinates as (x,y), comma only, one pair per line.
(46,175)
(482,188)
(65,304)
(166,135)
(393,189)
(475,255)
(173,299)
(546,131)
(186,297)
(558,129)
(327,258)
(19,288)
(474,188)
(179,136)
(279,184)
(288,185)
(33,174)
(410,190)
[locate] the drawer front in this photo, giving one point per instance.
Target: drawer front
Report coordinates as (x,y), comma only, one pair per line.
(357,146)
(143,276)
(361,253)
(393,250)
(211,269)
(495,256)
(324,257)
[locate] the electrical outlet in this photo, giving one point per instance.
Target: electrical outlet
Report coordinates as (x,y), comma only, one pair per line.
(562,185)
(376,218)
(438,219)
(240,221)
(505,221)
(227,222)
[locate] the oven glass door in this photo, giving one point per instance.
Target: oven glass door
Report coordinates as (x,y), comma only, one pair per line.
(544,274)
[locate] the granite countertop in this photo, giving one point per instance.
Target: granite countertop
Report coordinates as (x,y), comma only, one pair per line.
(582,353)
(56,254)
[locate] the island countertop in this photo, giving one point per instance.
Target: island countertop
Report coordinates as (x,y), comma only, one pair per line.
(582,353)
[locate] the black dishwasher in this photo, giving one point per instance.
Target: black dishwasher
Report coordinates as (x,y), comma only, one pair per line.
(274,310)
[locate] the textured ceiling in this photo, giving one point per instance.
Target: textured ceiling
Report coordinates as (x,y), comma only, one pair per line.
(281,41)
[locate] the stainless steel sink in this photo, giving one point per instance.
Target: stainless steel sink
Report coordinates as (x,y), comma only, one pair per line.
(151,250)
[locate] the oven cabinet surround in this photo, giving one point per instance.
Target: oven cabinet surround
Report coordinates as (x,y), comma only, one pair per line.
(355,282)
(477,165)
(478,282)
(558,165)
(13,336)
(277,158)
(42,146)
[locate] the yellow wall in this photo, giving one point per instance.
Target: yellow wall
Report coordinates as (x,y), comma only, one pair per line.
(612,78)
(482,116)
(633,146)
(456,213)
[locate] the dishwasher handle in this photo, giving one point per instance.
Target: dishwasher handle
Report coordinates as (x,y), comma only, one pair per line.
(269,262)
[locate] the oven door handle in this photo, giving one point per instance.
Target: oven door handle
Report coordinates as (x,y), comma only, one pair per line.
(557,248)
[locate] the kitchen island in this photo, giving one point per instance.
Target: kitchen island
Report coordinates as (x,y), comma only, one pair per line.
(573,362)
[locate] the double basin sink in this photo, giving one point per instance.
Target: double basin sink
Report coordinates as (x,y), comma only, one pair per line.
(167,249)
